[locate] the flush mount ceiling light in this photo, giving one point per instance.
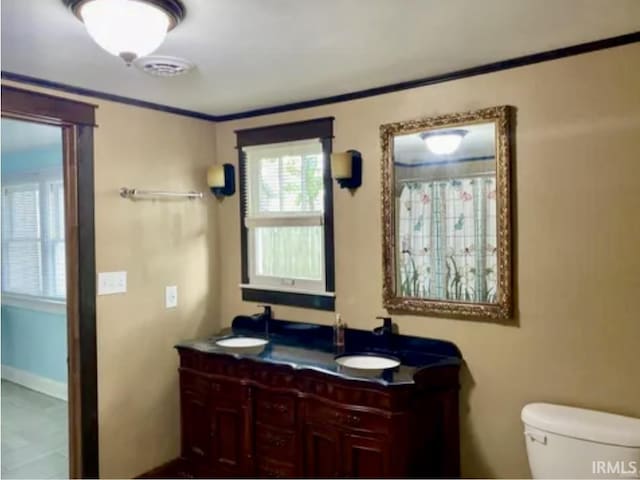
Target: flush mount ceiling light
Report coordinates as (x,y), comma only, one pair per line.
(443,142)
(128,28)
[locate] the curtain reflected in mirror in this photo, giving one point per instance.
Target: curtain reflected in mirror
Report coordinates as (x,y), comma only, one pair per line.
(445,216)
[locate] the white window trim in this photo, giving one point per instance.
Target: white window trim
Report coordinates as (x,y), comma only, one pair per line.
(285,221)
(31,302)
(37,176)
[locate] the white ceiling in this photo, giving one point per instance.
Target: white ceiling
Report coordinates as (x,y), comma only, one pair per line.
(19,136)
(260,53)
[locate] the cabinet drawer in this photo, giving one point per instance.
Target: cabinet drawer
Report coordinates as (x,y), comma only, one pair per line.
(275,444)
(346,418)
(275,409)
(205,385)
(227,390)
(194,383)
(271,469)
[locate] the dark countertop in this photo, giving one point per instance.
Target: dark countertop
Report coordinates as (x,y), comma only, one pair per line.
(310,346)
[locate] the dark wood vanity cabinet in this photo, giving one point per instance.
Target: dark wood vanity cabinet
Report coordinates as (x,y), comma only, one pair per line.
(243,418)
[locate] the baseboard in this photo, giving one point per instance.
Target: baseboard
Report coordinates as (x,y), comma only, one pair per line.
(35,382)
(171,469)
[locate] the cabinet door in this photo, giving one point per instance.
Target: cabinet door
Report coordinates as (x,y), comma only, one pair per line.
(227,450)
(322,451)
(275,444)
(365,456)
(195,416)
(273,469)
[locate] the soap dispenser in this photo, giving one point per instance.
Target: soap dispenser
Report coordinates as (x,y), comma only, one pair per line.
(338,332)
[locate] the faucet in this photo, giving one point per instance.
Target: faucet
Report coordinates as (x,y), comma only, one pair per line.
(385,329)
(264,316)
(384,333)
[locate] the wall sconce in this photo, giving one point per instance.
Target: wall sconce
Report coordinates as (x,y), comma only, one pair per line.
(222,180)
(346,168)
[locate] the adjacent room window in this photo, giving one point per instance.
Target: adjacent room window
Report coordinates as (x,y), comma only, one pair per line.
(287,224)
(33,251)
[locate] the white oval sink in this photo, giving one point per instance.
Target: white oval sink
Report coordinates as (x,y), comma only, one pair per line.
(367,364)
(245,345)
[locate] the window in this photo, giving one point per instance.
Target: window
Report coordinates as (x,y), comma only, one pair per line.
(33,249)
(287,224)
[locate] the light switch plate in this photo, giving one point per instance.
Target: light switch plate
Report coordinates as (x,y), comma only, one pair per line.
(110,283)
(171,296)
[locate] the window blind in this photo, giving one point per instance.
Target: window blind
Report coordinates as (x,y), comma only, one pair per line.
(285,186)
(22,261)
(56,255)
(33,250)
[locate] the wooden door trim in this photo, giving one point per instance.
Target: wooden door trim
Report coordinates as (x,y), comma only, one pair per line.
(77,120)
(45,108)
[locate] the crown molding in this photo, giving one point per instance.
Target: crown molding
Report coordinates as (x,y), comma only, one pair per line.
(516,62)
(87,92)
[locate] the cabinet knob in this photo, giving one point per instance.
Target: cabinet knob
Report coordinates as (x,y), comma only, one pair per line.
(278,407)
(275,440)
(271,473)
(348,419)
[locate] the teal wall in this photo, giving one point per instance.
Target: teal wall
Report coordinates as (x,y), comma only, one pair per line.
(35,342)
(32,340)
(33,160)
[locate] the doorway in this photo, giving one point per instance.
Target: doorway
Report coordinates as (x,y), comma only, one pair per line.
(49,368)
(34,323)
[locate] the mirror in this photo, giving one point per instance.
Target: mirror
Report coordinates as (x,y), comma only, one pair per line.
(446,215)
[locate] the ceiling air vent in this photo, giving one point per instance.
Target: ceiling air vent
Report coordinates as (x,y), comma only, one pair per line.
(162,66)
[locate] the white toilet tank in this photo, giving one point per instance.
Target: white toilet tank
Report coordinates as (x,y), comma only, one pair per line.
(568,442)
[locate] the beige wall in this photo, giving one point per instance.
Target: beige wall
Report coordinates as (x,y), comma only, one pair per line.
(577,181)
(158,243)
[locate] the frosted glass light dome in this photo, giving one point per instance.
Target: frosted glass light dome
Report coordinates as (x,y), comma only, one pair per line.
(125,28)
(444,143)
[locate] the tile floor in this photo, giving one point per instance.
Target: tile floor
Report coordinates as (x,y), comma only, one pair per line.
(34,434)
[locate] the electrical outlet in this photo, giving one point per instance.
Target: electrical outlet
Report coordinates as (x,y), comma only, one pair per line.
(171,296)
(110,283)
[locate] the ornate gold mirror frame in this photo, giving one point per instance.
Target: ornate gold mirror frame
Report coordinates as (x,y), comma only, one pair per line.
(502,308)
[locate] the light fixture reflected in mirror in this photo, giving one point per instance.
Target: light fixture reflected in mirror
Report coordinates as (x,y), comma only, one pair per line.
(346,168)
(128,29)
(443,142)
(221,180)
